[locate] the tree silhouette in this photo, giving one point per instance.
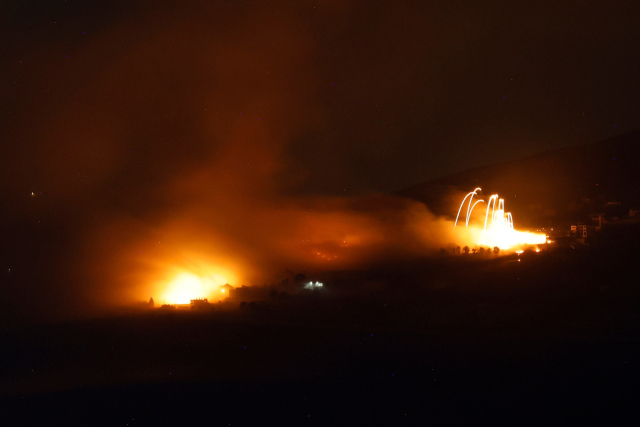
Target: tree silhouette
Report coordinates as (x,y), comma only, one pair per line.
(496,250)
(465,249)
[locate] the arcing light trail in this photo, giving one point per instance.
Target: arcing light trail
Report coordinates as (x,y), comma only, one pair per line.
(469,207)
(498,228)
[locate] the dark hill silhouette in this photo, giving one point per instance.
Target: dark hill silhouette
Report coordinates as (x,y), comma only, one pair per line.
(552,188)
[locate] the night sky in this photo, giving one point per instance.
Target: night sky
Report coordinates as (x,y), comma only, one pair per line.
(354,95)
(129,119)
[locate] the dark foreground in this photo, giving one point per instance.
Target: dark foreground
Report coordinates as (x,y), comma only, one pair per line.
(305,376)
(551,338)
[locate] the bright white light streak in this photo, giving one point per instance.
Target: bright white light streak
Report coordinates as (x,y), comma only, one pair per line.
(461,204)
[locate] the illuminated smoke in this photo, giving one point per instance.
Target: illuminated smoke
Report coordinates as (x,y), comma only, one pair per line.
(200,247)
(192,178)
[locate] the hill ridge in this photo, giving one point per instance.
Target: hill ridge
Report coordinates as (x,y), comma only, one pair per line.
(555,186)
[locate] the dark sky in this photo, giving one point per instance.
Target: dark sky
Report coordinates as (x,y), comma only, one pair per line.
(373,95)
(211,123)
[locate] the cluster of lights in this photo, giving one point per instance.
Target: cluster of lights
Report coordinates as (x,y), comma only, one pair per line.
(312,285)
(326,256)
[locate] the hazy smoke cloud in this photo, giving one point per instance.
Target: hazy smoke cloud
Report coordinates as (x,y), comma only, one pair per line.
(248,241)
(176,155)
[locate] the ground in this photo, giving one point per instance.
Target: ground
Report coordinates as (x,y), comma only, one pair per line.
(550,338)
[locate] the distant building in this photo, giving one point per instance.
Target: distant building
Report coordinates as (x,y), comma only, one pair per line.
(226,291)
(199,304)
(579,230)
(151,303)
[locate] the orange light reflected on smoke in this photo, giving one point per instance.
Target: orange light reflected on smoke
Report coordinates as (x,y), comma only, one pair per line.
(200,247)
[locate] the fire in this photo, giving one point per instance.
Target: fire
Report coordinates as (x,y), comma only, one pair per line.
(185,286)
(498,227)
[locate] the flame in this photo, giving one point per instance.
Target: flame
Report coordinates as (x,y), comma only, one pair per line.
(182,288)
(179,279)
(187,286)
(498,227)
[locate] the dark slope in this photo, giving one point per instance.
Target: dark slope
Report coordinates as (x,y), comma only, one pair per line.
(555,187)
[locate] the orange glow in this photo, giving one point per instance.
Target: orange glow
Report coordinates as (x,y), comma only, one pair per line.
(200,247)
(185,286)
